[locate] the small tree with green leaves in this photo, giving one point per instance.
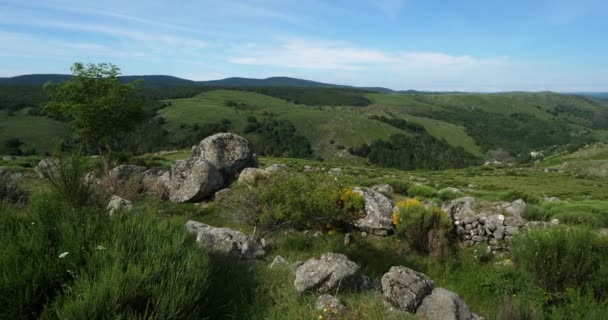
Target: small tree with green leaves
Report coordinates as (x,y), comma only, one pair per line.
(101,107)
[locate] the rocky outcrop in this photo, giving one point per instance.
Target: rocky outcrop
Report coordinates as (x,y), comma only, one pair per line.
(253,175)
(378,213)
(194,180)
(383,188)
(227,241)
(228,152)
(125,172)
(156,182)
(491,223)
(442,304)
(118,204)
(406,288)
(48,167)
(332,272)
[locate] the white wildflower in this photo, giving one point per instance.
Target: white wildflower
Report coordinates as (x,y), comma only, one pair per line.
(100,247)
(63,255)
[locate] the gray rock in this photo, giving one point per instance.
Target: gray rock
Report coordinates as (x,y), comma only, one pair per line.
(499,233)
(48,167)
(405,288)
(125,172)
(461,209)
(276,168)
(157,182)
(221,195)
(442,304)
(347,239)
(330,306)
(383,188)
(335,171)
(332,272)
(477,238)
(118,204)
(252,175)
(278,260)
(193,180)
(378,213)
(227,241)
(228,152)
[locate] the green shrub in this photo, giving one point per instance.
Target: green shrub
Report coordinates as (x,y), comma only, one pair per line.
(513,195)
(447,194)
(537,213)
(61,262)
(66,177)
(578,218)
(399,186)
(421,191)
(147,270)
(294,201)
(564,257)
(426,229)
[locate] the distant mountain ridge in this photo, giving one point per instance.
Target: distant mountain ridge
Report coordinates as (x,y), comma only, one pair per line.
(170,81)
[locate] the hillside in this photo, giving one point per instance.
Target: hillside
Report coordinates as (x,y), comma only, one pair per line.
(338,123)
(170,81)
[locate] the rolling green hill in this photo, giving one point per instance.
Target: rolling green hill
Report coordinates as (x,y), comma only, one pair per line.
(335,119)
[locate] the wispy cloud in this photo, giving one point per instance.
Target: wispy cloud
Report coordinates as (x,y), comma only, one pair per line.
(391,8)
(307,54)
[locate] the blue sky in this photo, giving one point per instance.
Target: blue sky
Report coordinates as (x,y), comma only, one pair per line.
(470,45)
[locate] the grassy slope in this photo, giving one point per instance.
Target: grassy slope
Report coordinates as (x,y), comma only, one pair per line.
(36,132)
(318,124)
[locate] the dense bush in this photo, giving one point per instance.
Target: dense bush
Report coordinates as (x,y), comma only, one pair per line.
(66,177)
(419,190)
(294,201)
(563,258)
(426,229)
(448,194)
(399,186)
(421,151)
(278,138)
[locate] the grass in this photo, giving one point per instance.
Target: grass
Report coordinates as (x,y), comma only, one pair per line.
(36,132)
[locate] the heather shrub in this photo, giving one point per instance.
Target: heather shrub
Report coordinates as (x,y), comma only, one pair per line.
(294,201)
(426,229)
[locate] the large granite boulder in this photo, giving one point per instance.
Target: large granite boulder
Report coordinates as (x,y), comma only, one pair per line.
(442,304)
(378,213)
(332,272)
(228,152)
(406,288)
(460,209)
(194,180)
(227,241)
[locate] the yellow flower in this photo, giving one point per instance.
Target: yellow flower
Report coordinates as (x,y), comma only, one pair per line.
(410,202)
(330,232)
(395,217)
(320,317)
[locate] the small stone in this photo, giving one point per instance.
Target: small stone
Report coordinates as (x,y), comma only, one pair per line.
(478,238)
(330,305)
(363,234)
(278,260)
(347,239)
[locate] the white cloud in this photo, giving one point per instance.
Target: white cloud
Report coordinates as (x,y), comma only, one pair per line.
(306,54)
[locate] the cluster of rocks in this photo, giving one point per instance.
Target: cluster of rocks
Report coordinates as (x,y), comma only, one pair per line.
(402,288)
(494,223)
(215,163)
